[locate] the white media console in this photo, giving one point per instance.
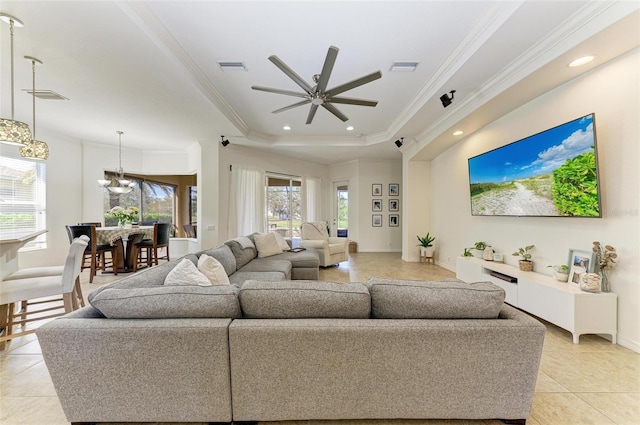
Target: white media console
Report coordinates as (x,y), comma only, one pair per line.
(560,303)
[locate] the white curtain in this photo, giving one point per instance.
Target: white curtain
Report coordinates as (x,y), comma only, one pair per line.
(246,202)
(312,191)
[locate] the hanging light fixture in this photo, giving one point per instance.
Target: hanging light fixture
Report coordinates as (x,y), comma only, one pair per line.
(13,132)
(35,149)
(123,185)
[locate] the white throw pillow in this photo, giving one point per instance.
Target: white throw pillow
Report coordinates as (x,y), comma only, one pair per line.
(267,245)
(186,273)
(213,270)
(284,246)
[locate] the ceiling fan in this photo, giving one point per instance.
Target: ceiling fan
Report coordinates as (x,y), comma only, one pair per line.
(318,95)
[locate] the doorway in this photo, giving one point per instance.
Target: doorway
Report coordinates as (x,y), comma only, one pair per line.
(341,208)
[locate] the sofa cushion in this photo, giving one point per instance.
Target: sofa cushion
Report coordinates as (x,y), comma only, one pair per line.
(243,249)
(186,273)
(304,259)
(415,299)
(213,270)
(269,264)
(299,299)
(241,276)
(284,246)
(168,302)
(267,245)
(226,257)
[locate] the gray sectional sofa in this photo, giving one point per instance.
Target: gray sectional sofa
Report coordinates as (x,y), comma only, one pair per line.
(295,350)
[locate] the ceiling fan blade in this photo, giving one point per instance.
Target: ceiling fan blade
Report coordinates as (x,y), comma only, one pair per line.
(280,91)
(351,101)
(295,105)
(329,61)
(329,107)
(353,84)
(312,113)
(291,74)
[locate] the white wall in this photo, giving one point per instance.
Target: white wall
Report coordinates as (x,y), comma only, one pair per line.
(417,208)
(611,91)
(362,174)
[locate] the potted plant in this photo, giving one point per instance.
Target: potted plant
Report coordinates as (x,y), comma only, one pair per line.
(560,272)
(467,253)
(426,245)
(525,262)
(479,249)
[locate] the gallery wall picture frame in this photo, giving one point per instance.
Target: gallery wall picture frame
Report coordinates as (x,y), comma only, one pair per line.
(376,205)
(394,189)
(580,261)
(376,189)
(394,205)
(394,220)
(376,220)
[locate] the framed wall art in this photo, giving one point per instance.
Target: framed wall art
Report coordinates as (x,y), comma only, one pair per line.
(376,205)
(394,189)
(394,220)
(376,220)
(394,205)
(376,189)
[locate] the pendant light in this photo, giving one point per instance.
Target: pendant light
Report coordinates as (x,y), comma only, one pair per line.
(124,185)
(13,132)
(35,149)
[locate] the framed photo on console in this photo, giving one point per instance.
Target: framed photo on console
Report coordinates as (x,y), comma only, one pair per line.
(376,189)
(580,262)
(376,220)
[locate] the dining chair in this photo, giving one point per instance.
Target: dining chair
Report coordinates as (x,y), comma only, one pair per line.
(38,292)
(150,247)
(94,255)
(90,223)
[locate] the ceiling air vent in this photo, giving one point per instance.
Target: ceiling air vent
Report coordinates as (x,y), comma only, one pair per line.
(45,94)
(404,66)
(232,66)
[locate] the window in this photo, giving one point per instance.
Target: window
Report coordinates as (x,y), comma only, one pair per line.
(23,198)
(193,204)
(156,201)
(284,212)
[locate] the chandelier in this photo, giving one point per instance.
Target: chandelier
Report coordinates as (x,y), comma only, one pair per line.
(34,149)
(13,132)
(118,185)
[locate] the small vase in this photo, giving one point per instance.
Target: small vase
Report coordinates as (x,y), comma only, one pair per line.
(591,282)
(604,281)
(121,223)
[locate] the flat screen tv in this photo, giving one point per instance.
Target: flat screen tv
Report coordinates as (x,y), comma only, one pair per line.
(550,174)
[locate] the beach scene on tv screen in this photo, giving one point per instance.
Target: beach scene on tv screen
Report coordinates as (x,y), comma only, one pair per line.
(552,173)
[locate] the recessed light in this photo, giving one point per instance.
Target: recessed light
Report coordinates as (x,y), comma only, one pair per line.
(581,61)
(350,128)
(458,132)
(404,66)
(286,127)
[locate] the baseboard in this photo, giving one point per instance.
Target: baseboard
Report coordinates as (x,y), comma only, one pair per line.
(628,343)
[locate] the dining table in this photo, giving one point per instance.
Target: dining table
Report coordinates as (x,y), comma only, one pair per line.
(124,239)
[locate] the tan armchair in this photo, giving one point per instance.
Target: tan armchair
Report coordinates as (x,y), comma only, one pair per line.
(332,250)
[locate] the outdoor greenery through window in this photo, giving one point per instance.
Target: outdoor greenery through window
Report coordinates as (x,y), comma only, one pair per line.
(284,211)
(23,198)
(156,201)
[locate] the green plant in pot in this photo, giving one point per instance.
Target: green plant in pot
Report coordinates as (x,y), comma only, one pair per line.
(479,248)
(525,262)
(426,245)
(467,252)
(560,272)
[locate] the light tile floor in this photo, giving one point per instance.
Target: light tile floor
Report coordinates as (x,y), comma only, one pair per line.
(594,382)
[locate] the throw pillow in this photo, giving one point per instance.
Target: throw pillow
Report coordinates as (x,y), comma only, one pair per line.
(267,245)
(284,246)
(186,273)
(213,270)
